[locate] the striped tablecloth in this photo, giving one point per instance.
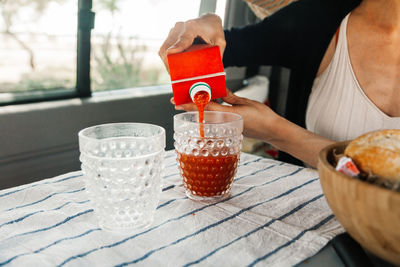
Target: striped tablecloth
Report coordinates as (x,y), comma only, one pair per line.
(276,215)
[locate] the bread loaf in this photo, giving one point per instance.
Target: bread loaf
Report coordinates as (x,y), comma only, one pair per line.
(377,154)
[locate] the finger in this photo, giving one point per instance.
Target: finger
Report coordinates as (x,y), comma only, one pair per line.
(173,36)
(221,44)
(212,31)
(164,60)
(211,106)
(191,30)
(179,107)
(187,107)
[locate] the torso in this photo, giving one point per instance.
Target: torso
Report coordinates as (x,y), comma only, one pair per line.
(375,62)
(355,92)
(378,55)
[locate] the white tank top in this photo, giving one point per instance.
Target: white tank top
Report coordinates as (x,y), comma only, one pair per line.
(338,108)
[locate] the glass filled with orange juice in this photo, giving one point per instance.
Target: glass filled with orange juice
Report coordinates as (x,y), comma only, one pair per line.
(208,152)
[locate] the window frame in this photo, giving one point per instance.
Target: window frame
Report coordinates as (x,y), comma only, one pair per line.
(85,24)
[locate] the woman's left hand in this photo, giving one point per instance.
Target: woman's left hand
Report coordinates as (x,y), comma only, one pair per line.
(257,117)
(262,123)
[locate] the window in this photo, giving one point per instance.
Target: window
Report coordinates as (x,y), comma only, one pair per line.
(38,45)
(127,37)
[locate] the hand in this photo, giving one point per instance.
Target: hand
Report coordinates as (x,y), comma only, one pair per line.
(207,27)
(257,117)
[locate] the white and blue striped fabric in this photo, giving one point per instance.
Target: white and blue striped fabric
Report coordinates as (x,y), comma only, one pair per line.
(276,215)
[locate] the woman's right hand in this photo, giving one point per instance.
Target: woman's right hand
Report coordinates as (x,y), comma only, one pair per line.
(207,27)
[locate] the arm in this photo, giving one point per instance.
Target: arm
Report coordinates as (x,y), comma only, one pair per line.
(291,37)
(285,38)
(269,42)
(295,140)
(273,41)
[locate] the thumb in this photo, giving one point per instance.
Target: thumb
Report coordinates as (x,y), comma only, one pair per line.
(214,106)
(184,42)
(233,99)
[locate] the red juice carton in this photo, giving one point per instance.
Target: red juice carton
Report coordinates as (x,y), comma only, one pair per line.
(200,64)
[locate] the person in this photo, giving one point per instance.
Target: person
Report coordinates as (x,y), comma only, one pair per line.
(344,59)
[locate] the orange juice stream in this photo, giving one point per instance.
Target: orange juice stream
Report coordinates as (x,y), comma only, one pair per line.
(201,99)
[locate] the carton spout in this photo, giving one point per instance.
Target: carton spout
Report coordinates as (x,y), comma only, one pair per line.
(200,87)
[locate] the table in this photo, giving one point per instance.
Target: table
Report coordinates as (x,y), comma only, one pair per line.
(276,215)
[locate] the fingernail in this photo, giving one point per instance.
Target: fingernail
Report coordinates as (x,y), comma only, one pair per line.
(171,48)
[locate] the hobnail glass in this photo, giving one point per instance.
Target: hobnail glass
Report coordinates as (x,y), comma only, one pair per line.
(208,163)
(122,165)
